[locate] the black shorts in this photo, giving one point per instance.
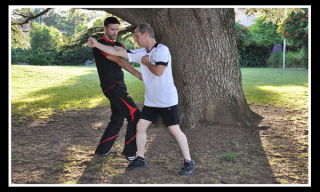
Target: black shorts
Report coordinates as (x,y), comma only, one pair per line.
(169,115)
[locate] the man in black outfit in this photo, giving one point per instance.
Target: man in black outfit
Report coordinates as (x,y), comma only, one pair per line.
(114,88)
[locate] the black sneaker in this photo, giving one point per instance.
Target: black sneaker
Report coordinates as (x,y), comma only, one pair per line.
(188,167)
(139,162)
(130,159)
(106,154)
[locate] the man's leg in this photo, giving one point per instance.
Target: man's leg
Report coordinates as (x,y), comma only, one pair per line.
(126,106)
(181,139)
(142,136)
(111,132)
(188,165)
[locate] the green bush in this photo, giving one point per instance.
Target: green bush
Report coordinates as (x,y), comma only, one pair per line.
(254,56)
(294,28)
(293,59)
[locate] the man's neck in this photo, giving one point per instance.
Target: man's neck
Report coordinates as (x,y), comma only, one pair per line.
(150,44)
(105,35)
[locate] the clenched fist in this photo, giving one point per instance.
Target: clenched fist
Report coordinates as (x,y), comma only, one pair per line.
(91,42)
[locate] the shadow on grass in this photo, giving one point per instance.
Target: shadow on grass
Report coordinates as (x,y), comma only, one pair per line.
(76,93)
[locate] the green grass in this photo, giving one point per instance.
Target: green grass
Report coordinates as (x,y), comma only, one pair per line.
(283,88)
(41,91)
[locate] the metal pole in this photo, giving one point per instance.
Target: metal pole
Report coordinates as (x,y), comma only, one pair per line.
(284,43)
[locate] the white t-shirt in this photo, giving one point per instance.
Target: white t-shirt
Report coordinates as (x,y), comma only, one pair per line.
(160,90)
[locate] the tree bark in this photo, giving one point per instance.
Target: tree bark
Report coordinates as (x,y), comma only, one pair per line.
(205,62)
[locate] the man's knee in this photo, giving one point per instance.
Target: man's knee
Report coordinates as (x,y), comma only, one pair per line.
(175,130)
(142,125)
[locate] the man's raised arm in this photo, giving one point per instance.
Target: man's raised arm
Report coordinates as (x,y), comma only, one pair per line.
(107,49)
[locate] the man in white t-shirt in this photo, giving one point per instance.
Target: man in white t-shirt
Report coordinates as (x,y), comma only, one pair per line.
(161,97)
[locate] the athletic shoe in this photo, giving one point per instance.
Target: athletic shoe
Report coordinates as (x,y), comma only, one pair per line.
(130,159)
(139,162)
(188,167)
(104,155)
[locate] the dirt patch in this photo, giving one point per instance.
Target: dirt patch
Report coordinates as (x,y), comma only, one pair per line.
(60,150)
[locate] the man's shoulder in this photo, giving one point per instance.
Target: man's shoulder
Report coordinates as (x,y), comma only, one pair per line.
(105,41)
(162,47)
(137,51)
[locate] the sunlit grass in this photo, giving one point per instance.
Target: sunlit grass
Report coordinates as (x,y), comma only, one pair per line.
(285,88)
(38,92)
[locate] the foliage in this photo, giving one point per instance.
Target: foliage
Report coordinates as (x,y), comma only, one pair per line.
(294,28)
(46,49)
(254,56)
(66,20)
(18,39)
(99,22)
(264,34)
(20,17)
(271,14)
(243,36)
(46,38)
(293,59)
(80,28)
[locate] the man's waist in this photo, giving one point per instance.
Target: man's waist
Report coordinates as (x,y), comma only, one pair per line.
(109,86)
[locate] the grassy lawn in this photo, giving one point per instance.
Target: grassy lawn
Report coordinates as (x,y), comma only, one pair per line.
(40,91)
(283,88)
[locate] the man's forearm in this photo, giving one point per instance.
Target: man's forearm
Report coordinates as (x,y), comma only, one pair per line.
(155,69)
(124,64)
(111,51)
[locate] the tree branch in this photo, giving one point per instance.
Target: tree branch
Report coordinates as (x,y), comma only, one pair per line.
(28,17)
(134,16)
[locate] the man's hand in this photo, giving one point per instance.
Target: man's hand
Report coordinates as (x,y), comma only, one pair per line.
(155,69)
(92,42)
(118,48)
(145,59)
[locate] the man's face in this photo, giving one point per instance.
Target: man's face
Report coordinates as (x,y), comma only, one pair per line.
(139,38)
(111,31)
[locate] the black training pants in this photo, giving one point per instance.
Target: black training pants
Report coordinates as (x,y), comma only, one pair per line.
(122,106)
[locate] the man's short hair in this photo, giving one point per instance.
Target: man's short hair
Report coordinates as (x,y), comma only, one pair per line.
(146,28)
(111,20)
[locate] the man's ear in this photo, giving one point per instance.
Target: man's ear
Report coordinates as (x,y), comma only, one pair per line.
(146,34)
(105,28)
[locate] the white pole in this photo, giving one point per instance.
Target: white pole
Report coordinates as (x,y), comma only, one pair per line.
(284,43)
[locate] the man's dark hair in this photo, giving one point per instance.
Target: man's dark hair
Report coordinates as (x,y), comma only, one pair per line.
(111,20)
(146,28)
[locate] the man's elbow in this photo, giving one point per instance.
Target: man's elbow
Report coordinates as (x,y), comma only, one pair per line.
(158,73)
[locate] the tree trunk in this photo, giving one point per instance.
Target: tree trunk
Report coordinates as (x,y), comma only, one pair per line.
(205,62)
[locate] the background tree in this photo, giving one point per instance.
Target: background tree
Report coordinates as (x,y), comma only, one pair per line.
(294,28)
(264,33)
(80,28)
(271,14)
